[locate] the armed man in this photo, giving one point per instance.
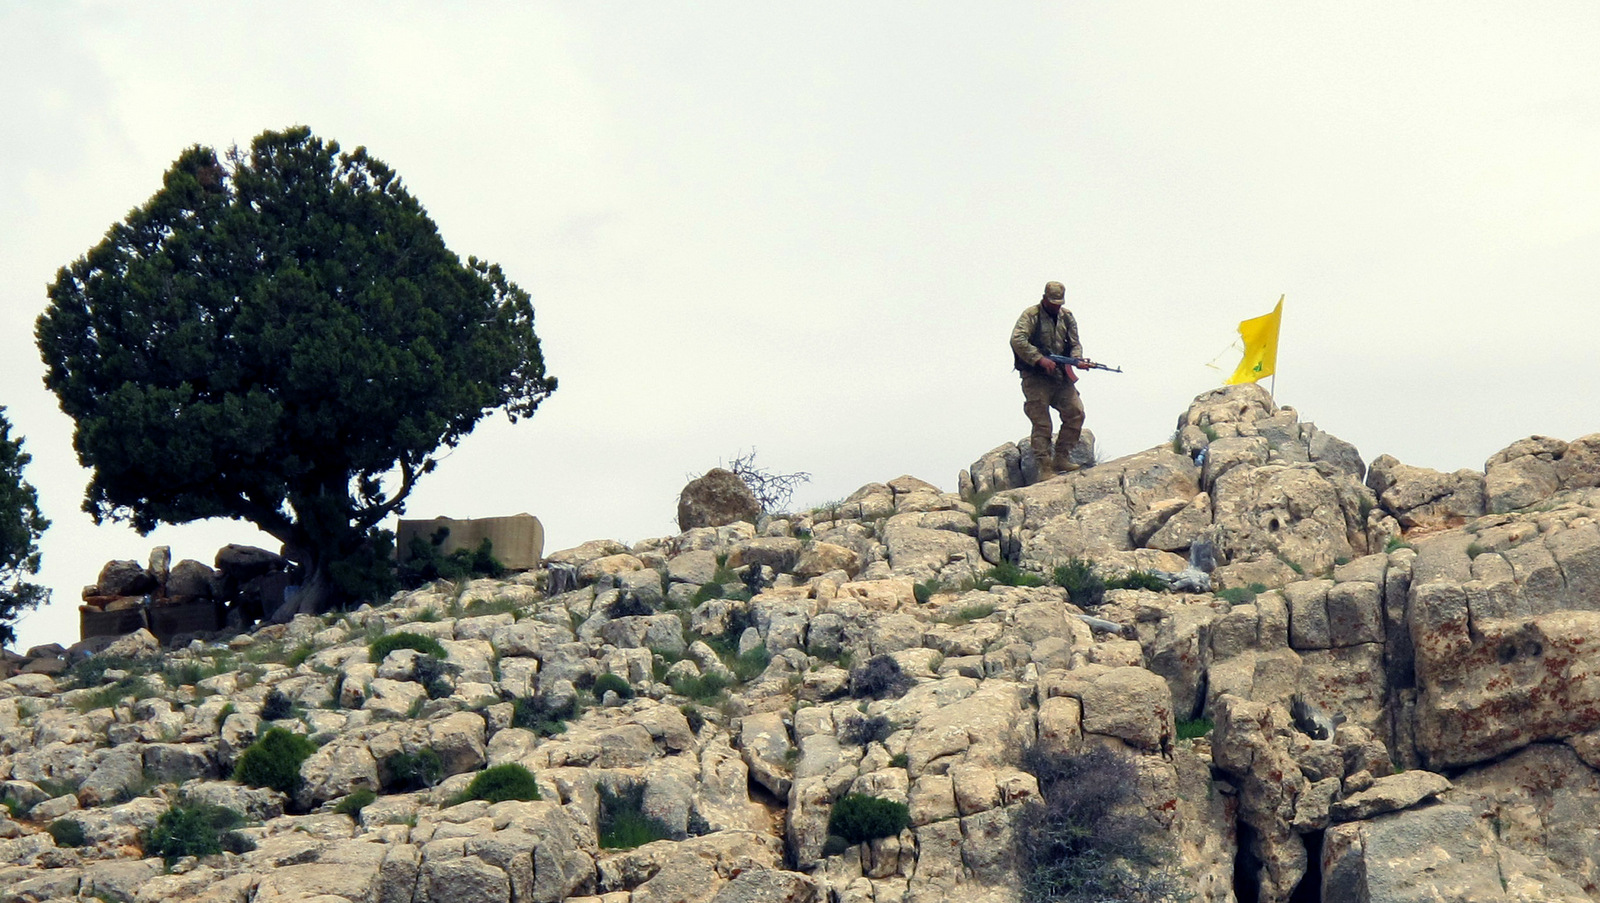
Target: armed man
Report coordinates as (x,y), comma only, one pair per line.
(1048,330)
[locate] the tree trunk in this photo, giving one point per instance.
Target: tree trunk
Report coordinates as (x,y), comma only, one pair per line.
(316,594)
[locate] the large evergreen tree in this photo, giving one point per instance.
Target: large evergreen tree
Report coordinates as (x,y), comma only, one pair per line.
(20,526)
(282,337)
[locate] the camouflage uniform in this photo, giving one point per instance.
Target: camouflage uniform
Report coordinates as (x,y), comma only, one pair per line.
(1038,333)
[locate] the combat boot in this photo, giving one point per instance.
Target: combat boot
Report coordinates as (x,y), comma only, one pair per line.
(1064,464)
(1041,457)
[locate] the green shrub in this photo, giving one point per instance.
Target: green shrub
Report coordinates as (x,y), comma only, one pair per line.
(1007,574)
(298,655)
(614,683)
(970,613)
(1475,549)
(707,591)
(382,646)
(353,804)
(1075,844)
(924,590)
(537,714)
(413,771)
(1238,595)
(276,706)
(859,818)
(67,832)
(708,687)
(899,760)
(1395,544)
(274,761)
(880,678)
(130,688)
(623,822)
(500,783)
(1194,728)
(750,665)
(628,605)
(1138,580)
(199,830)
(424,561)
(1084,587)
(859,731)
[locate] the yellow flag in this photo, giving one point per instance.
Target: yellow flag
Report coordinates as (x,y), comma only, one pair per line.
(1260,347)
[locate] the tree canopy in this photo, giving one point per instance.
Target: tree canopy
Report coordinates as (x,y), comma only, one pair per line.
(281,336)
(20,527)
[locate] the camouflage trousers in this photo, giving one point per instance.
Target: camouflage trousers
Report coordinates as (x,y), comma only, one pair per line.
(1040,393)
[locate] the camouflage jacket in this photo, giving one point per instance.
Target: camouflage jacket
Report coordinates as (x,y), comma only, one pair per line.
(1038,334)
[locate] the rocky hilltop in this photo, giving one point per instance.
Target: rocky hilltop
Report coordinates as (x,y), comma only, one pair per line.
(1389,691)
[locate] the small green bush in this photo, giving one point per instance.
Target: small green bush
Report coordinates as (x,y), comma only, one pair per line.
(298,655)
(1007,574)
(382,646)
(276,706)
(67,832)
(880,678)
(1475,549)
(628,605)
(538,714)
(708,591)
(500,783)
(274,761)
(970,613)
(1084,587)
(751,664)
(353,804)
(424,561)
(1077,843)
(859,818)
(623,822)
(1238,595)
(614,683)
(706,688)
(413,771)
(859,731)
(200,830)
(1395,544)
(924,590)
(1138,580)
(1194,728)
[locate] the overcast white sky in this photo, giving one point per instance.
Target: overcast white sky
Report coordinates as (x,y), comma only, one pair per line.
(808,228)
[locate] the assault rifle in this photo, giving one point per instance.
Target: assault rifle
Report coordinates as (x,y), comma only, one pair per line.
(1067,363)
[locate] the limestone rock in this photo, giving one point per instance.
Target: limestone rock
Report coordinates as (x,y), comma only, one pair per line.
(124,578)
(719,497)
(1294,512)
(1522,473)
(1419,497)
(1432,853)
(1390,794)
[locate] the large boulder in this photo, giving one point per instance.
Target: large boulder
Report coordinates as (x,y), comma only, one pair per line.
(1522,473)
(1441,852)
(124,578)
(1299,513)
(1419,497)
(719,497)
